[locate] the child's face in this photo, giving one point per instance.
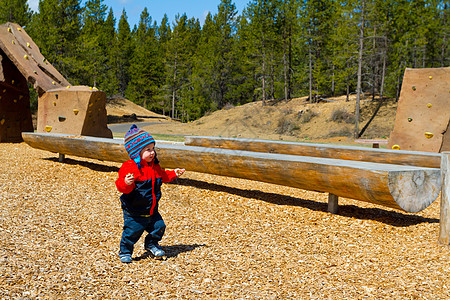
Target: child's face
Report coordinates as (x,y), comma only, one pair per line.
(148,152)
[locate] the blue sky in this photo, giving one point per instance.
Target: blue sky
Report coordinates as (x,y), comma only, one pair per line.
(157,8)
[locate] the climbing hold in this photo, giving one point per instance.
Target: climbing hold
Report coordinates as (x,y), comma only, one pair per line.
(429,105)
(68,87)
(28,45)
(20,97)
(54,103)
(76,111)
(13,42)
(2,121)
(428,135)
(95,88)
(43,60)
(48,128)
(56,95)
(12,81)
(431,77)
(15,100)
(396,147)
(53,82)
(61,118)
(9,29)
(414,87)
(90,104)
(18,28)
(34,72)
(4,91)
(25,56)
(90,88)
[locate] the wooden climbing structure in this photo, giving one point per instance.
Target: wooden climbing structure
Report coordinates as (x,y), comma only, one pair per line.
(423,113)
(61,106)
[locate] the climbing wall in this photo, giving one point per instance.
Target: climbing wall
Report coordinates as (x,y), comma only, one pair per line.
(15,115)
(25,55)
(423,112)
(62,108)
(78,110)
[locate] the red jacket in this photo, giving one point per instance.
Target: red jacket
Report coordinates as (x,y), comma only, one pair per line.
(142,197)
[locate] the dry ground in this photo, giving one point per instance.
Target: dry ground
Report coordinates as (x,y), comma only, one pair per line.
(60,226)
(295,120)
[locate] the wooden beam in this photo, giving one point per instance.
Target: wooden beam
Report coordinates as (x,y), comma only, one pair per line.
(444,224)
(409,188)
(410,158)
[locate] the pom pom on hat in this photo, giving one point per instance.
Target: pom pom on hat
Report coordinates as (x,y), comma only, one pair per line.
(135,140)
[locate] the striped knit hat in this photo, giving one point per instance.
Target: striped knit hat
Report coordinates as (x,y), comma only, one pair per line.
(135,140)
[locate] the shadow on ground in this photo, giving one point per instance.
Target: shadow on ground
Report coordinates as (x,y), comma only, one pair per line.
(392,218)
(172,251)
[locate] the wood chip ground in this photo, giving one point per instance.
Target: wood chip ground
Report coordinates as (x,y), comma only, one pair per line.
(60,227)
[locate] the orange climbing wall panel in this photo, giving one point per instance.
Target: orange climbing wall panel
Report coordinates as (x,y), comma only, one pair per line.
(78,110)
(423,112)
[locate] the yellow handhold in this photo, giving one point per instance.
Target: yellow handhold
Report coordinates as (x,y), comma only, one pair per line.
(68,87)
(396,147)
(76,111)
(53,82)
(2,121)
(13,42)
(18,28)
(90,88)
(428,135)
(28,45)
(25,56)
(429,105)
(431,77)
(4,91)
(9,29)
(15,100)
(54,103)
(12,81)
(48,128)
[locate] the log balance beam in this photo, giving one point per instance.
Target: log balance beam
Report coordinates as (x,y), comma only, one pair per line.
(375,155)
(408,188)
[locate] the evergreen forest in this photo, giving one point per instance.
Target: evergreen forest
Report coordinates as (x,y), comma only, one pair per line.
(274,49)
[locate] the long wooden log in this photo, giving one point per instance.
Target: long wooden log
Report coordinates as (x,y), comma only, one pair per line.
(410,158)
(409,188)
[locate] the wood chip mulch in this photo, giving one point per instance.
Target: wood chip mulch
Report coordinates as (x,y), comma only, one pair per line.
(226,238)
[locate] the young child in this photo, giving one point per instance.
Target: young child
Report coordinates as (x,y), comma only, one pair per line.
(140,180)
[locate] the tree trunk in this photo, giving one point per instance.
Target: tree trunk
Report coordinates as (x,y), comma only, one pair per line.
(310,66)
(360,57)
(384,68)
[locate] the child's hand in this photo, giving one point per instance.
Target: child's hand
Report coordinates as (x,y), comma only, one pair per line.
(179,172)
(129,179)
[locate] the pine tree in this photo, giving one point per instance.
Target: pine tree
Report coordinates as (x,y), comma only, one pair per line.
(56,30)
(146,68)
(124,53)
(92,51)
(15,11)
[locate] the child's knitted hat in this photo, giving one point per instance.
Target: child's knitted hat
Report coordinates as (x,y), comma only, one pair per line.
(135,140)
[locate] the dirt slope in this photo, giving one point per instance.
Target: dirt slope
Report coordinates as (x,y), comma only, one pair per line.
(295,120)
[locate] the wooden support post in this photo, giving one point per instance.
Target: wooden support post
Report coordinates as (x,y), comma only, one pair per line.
(332,203)
(61,157)
(444,224)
